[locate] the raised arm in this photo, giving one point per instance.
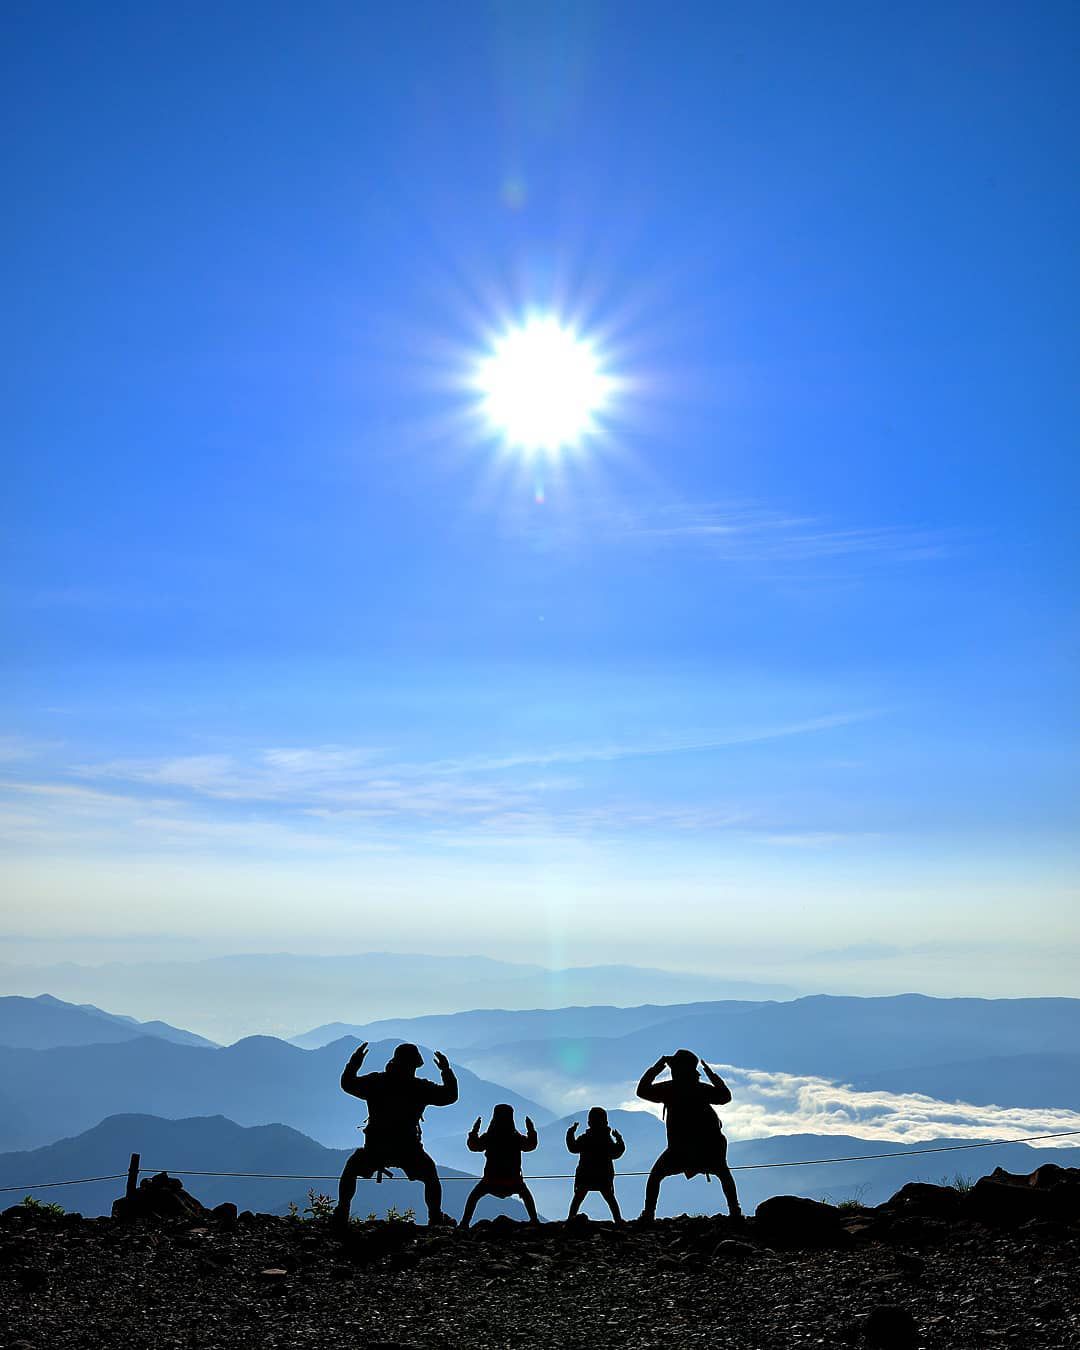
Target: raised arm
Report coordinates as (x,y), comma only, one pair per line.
(446,1092)
(573,1143)
(476,1140)
(351,1081)
(647,1087)
(618,1147)
(531,1139)
(718,1093)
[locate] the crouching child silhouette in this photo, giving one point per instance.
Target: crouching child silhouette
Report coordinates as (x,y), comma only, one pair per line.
(695,1140)
(597,1150)
(502,1146)
(396,1099)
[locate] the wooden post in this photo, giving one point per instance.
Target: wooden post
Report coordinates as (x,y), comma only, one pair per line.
(133,1176)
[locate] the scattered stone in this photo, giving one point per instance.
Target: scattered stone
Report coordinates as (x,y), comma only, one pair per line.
(163,1285)
(911,1264)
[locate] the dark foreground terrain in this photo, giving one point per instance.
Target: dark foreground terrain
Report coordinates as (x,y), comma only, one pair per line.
(999,1265)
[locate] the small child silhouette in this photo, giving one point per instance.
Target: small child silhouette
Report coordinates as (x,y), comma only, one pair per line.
(597,1149)
(502,1146)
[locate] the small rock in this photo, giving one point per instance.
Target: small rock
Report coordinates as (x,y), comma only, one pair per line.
(732,1250)
(911,1264)
(273,1275)
(890,1327)
(31,1278)
(1051,1309)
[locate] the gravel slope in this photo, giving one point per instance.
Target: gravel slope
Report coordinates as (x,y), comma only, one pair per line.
(812,1279)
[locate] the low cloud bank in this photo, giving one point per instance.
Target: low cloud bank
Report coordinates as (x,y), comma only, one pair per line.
(767,1103)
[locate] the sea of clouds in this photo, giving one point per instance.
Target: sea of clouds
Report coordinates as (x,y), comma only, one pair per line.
(765,1103)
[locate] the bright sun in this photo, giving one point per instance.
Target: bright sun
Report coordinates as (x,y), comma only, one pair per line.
(542,387)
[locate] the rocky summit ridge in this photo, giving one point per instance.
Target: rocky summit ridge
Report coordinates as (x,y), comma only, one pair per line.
(997,1264)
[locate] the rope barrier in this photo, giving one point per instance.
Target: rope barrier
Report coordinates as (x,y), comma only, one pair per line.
(562,1176)
(79,1181)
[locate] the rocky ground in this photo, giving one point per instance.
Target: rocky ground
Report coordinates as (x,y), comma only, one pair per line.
(934,1267)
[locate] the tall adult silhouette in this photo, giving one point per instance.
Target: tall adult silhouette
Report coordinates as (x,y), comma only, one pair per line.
(396,1099)
(695,1138)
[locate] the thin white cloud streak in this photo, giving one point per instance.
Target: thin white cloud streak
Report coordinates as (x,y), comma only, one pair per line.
(63,815)
(750,533)
(340,794)
(607,753)
(352,776)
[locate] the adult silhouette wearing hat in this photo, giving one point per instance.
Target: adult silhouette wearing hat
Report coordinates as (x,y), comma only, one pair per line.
(695,1139)
(396,1100)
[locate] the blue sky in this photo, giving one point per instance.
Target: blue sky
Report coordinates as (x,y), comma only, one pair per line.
(785,660)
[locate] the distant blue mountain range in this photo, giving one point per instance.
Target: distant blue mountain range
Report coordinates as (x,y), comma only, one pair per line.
(44,1022)
(47,1094)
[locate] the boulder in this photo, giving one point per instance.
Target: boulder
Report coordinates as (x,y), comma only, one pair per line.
(1003,1201)
(795,1221)
(920,1197)
(159,1197)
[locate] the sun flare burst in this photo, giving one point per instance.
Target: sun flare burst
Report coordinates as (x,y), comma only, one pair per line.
(542,387)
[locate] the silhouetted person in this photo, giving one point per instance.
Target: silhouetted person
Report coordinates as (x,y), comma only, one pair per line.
(695,1139)
(502,1146)
(396,1099)
(597,1150)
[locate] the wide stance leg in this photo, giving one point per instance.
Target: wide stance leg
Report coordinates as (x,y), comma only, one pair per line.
(731,1195)
(608,1194)
(477,1193)
(727,1181)
(354,1166)
(662,1167)
(575,1203)
(529,1203)
(432,1187)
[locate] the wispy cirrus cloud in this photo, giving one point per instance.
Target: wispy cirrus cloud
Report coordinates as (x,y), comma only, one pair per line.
(503,800)
(757,534)
(748,532)
(349,775)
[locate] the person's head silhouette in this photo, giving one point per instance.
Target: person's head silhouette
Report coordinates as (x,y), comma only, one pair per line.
(598,1118)
(405,1060)
(683,1065)
(502,1119)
